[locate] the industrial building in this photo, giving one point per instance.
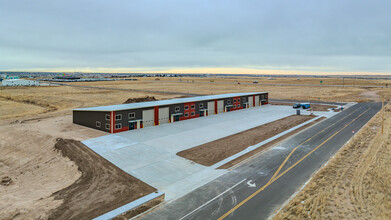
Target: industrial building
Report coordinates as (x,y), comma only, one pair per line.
(19,82)
(118,118)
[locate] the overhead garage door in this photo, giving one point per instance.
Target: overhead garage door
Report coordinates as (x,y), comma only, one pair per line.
(148,119)
(250,101)
(211,107)
(163,115)
(220,106)
(257,100)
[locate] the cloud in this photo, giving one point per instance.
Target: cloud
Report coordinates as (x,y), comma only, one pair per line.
(335,35)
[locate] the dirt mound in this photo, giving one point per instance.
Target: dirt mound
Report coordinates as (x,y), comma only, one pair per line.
(141,99)
(102,186)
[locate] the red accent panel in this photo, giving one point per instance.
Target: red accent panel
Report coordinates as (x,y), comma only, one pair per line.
(236,102)
(156,116)
(215,106)
(121,129)
(112,115)
(267,102)
(188,111)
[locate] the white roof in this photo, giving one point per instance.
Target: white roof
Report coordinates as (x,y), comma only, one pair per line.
(12,80)
(164,102)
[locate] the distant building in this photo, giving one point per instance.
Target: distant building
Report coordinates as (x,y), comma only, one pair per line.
(67,77)
(19,82)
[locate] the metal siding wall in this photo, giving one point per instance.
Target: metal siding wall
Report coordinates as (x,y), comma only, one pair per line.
(125,115)
(89,118)
(172,108)
(197,107)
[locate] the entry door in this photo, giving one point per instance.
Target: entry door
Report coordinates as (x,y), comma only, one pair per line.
(132,125)
(257,100)
(148,118)
(176,118)
(211,107)
(220,106)
(250,101)
(163,115)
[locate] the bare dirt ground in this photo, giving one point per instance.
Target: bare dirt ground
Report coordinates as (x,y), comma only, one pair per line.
(59,100)
(266,146)
(36,169)
(32,118)
(282,80)
(215,151)
(371,95)
(355,184)
(49,101)
(45,184)
(101,187)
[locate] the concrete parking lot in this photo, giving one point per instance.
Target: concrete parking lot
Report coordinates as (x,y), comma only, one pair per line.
(150,153)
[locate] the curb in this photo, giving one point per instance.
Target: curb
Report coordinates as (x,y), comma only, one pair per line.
(132,205)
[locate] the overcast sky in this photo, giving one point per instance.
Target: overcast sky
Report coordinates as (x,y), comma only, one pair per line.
(332,35)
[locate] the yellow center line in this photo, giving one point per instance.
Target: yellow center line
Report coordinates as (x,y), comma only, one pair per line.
(294,149)
(289,168)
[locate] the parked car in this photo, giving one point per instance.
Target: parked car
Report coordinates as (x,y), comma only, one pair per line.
(305,105)
(255,81)
(296,105)
(302,105)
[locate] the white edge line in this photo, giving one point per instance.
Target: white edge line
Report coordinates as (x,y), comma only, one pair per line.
(212,199)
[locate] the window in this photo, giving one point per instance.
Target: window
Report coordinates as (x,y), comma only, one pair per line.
(132,115)
(108,117)
(234,106)
(193,113)
(118,126)
(186,114)
(177,109)
(234,100)
(192,106)
(228,102)
(98,124)
(238,105)
(118,117)
(186,107)
(107,126)
(201,105)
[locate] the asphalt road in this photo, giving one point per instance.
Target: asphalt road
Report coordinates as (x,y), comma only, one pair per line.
(259,187)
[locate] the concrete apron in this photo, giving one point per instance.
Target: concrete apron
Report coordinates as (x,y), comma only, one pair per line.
(149,154)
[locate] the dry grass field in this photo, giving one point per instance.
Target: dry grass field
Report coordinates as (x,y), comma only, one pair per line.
(32,101)
(32,118)
(56,100)
(281,80)
(355,184)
